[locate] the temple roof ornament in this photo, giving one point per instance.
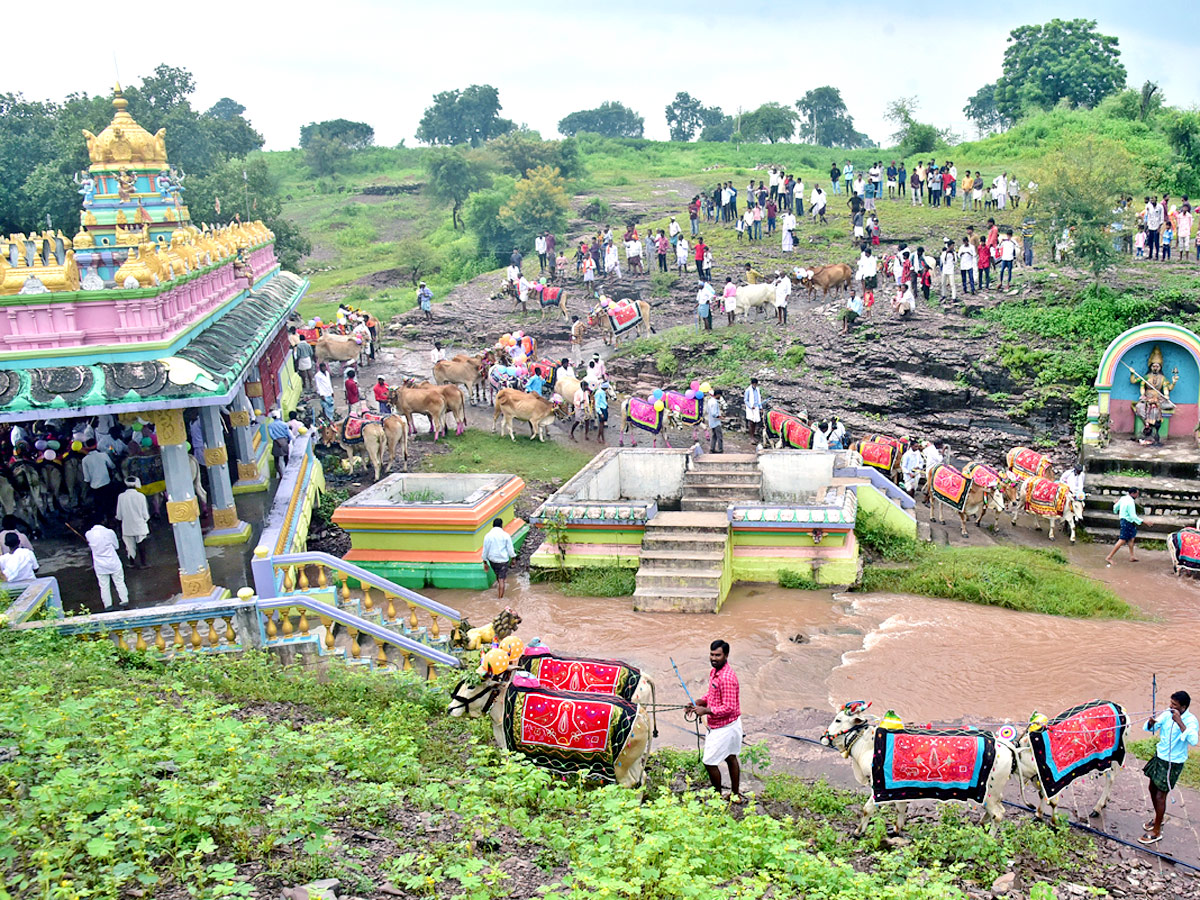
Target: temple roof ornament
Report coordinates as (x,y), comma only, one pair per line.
(124,141)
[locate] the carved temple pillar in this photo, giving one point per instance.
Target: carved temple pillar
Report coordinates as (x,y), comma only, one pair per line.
(241,418)
(183,510)
(227,527)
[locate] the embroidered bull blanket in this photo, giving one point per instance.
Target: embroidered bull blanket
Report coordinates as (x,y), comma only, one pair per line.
(777,420)
(899,444)
(950,486)
(585,676)
(1028,463)
(1044,497)
(797,435)
(1086,738)
(878,456)
(568,732)
(919,764)
(687,410)
(983,475)
(1185,547)
(642,414)
(545,368)
(352,426)
(623,316)
(549,295)
(309,334)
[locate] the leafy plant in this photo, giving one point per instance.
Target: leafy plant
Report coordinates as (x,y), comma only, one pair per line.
(796,581)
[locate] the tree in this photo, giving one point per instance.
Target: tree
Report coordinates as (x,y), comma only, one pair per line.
(539,203)
(770,122)
(911,136)
(981,109)
(1078,186)
(352,135)
(521,150)
(719,130)
(482,214)
(452,178)
(1061,60)
(686,116)
(825,121)
(417,259)
(609,119)
(470,116)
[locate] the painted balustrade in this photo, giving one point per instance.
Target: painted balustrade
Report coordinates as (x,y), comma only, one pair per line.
(397,606)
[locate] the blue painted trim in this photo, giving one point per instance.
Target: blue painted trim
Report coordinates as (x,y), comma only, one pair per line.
(880,481)
(37,593)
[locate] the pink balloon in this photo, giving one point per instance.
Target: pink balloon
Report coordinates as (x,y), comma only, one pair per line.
(695,385)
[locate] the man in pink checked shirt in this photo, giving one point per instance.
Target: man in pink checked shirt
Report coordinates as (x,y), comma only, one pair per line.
(724,711)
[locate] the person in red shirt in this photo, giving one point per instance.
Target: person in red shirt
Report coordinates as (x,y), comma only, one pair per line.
(700,248)
(354,401)
(993,235)
(381,397)
(723,708)
(985,264)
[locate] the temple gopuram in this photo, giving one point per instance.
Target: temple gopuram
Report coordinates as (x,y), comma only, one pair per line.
(142,316)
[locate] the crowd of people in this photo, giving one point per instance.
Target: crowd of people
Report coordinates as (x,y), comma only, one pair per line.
(1164,229)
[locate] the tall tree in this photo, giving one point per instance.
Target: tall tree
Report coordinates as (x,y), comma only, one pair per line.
(686,115)
(1061,60)
(719,130)
(981,109)
(609,119)
(453,178)
(770,122)
(353,135)
(825,121)
(1078,187)
(521,150)
(470,116)
(538,203)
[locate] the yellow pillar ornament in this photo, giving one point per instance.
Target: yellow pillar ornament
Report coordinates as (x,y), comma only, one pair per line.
(196,584)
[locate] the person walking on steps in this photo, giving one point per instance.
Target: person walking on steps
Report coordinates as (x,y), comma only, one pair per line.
(498,553)
(1126,510)
(712,416)
(722,705)
(1177,731)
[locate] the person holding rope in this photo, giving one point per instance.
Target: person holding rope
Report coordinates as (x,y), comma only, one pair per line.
(1177,731)
(722,706)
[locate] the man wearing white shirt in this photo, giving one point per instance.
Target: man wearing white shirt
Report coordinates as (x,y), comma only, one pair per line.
(1074,480)
(498,554)
(798,195)
(752,401)
(946,267)
(134,515)
(912,464)
(325,390)
(817,204)
(868,270)
(17,563)
(539,247)
(1008,256)
(97,472)
(107,564)
(1178,732)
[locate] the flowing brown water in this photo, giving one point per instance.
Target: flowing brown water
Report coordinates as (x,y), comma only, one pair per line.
(931,660)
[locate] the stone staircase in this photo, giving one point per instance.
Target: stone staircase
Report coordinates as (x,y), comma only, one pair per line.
(684,558)
(1169,498)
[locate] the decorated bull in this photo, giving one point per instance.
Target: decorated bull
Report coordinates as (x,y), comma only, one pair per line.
(947,486)
(1050,500)
(684,410)
(880,456)
(784,429)
(589,676)
(1184,547)
(549,297)
(1025,463)
(645,415)
(1084,739)
(620,317)
(901,764)
(594,735)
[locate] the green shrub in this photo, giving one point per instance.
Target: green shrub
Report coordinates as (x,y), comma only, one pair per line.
(595,210)
(591,581)
(666,363)
(796,581)
(883,541)
(793,356)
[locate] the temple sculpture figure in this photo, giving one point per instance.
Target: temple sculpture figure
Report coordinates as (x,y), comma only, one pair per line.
(1154,395)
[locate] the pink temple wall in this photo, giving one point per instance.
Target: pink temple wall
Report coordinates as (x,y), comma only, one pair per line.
(1183,422)
(97,322)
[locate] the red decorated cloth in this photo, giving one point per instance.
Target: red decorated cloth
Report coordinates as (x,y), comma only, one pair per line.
(643,415)
(688,410)
(900,445)
(877,455)
(984,476)
(924,764)
(584,676)
(950,486)
(624,315)
(1083,739)
(777,420)
(566,723)
(1044,497)
(1186,546)
(1028,463)
(797,435)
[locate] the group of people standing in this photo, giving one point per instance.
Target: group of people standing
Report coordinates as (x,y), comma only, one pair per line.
(1163,229)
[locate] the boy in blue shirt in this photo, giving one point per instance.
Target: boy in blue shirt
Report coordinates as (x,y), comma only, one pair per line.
(1177,731)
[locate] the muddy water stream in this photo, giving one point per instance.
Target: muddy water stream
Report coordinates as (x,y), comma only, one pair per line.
(932,660)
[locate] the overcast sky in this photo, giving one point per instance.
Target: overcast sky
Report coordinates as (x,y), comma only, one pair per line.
(381,62)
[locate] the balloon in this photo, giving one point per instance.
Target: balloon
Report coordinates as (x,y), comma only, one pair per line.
(659,406)
(695,385)
(518,334)
(522,371)
(40,445)
(689,394)
(53,445)
(505,337)
(187,446)
(137,426)
(706,387)
(699,395)
(146,442)
(317,319)
(312,323)
(77,446)
(657,395)
(50,456)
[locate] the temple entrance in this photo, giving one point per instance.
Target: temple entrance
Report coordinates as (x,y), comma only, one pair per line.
(1149,384)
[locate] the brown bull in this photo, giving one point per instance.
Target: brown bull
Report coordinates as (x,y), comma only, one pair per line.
(514,404)
(456,404)
(464,370)
(828,278)
(336,348)
(426,401)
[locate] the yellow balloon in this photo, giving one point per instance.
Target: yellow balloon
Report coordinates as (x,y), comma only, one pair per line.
(659,406)
(706,387)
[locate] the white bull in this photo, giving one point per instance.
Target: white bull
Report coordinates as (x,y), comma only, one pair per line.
(853,733)
(755,296)
(1072,509)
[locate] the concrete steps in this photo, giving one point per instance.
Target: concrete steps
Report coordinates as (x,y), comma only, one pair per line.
(691,542)
(682,562)
(1166,504)
(725,475)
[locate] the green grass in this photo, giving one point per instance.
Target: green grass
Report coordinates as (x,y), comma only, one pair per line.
(1016,578)
(795,581)
(592,581)
(1146,748)
(886,543)
(727,357)
(481,451)
(1131,473)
